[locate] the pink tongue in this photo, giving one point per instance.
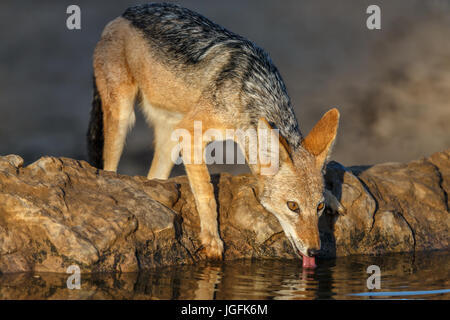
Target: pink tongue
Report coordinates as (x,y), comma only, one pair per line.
(309,262)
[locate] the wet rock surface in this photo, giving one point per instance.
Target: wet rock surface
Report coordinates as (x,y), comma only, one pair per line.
(57,212)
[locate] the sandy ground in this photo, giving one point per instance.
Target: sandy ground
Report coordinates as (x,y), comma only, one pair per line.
(392,85)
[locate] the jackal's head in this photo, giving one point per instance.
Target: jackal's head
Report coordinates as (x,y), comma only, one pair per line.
(295,193)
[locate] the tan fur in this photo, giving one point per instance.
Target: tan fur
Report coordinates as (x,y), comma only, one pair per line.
(125,64)
(319,141)
(300,179)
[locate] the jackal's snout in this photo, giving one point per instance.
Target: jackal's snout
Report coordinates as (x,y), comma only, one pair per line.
(312,252)
(307,240)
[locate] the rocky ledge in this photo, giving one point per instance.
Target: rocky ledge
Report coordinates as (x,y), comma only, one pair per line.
(57,212)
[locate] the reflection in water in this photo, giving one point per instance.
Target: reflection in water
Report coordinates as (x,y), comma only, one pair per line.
(248,279)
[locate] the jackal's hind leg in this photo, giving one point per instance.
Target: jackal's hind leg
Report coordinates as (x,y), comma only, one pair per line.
(162,162)
(118,117)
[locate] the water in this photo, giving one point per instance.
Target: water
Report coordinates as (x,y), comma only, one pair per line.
(403,276)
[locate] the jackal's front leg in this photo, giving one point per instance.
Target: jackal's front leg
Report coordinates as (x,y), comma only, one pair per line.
(203,191)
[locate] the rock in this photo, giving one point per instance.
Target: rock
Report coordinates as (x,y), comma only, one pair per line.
(57,212)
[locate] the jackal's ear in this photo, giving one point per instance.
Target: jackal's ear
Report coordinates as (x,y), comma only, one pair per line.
(321,138)
(271,145)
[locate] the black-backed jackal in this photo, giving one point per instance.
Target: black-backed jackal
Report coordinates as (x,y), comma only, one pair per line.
(185,68)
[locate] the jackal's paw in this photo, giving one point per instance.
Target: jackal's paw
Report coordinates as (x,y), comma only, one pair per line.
(212,247)
(333,204)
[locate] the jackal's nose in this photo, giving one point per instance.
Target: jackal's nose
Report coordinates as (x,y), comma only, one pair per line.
(312,252)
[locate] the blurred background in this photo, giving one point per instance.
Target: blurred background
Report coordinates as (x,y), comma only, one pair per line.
(392,85)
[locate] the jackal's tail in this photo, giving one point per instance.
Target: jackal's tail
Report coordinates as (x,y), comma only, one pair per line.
(95,131)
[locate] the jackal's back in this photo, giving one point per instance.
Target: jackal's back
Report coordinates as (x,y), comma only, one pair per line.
(182,34)
(186,39)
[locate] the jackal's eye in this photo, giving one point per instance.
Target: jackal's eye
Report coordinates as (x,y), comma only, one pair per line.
(320,206)
(293,206)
